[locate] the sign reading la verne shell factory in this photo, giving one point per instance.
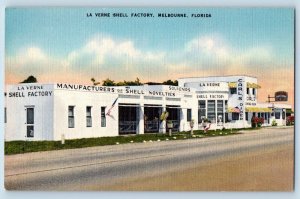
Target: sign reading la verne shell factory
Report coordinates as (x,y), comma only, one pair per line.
(212,90)
(30,91)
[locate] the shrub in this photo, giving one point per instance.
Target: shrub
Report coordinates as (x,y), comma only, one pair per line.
(290,120)
(274,123)
(257,121)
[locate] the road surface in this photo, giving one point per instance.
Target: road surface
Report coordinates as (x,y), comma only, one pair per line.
(255,160)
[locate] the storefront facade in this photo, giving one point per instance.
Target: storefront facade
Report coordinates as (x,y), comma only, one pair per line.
(71,111)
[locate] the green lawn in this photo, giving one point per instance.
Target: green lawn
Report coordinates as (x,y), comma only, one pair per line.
(16,147)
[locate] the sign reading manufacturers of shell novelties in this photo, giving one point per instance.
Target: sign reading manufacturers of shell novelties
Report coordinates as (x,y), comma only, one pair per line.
(149,99)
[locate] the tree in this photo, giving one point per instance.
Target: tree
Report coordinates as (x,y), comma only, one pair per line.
(30,79)
(108,82)
(94,81)
(131,83)
(170,82)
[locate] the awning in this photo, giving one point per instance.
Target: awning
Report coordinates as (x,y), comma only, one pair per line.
(233,110)
(249,85)
(232,84)
(289,111)
(253,85)
(258,109)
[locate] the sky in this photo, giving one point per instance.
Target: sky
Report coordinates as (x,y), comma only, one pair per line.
(64,45)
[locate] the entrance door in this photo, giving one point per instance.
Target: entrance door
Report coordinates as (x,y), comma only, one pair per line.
(128,118)
(151,118)
(174,117)
(30,122)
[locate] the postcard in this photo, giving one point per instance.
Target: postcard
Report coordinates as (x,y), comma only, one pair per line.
(149,99)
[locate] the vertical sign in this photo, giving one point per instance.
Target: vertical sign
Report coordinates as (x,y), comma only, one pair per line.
(240,92)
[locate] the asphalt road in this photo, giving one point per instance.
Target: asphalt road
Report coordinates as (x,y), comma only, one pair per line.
(97,168)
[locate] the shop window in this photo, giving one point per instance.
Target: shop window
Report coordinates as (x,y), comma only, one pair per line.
(235,116)
(220,110)
(88,116)
(211,110)
(233,91)
(103,117)
(277,115)
(71,122)
(189,115)
(283,115)
(226,118)
(266,116)
(247,116)
(201,110)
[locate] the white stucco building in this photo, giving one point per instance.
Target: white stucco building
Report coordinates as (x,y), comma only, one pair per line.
(52,111)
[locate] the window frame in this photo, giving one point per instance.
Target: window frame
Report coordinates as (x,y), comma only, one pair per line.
(201,110)
(233,91)
(276,114)
(235,116)
(89,116)
(188,115)
(103,116)
(71,116)
(210,113)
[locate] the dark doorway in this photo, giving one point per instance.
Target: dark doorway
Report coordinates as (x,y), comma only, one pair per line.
(30,122)
(128,118)
(174,117)
(151,118)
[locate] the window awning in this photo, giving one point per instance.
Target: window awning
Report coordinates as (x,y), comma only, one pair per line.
(252,85)
(258,109)
(249,85)
(289,111)
(232,84)
(233,110)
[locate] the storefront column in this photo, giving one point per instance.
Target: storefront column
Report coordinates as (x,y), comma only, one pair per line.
(141,120)
(162,125)
(182,115)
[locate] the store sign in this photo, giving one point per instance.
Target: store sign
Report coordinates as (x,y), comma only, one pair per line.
(178,88)
(281,96)
(211,96)
(250,101)
(126,90)
(209,84)
(30,91)
(79,87)
(240,93)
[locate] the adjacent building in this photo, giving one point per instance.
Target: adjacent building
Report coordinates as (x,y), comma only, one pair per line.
(52,111)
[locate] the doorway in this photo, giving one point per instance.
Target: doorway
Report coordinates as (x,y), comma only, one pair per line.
(30,122)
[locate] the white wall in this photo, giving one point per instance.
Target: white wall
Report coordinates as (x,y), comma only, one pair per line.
(81,100)
(17,99)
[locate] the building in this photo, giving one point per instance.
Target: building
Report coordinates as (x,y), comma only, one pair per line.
(52,111)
